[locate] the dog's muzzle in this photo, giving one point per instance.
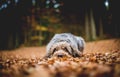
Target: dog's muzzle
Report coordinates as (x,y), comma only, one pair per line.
(61,54)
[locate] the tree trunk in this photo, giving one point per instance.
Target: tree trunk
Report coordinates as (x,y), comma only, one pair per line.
(92,25)
(87,30)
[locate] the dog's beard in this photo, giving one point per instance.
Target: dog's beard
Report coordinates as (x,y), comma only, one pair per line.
(61,48)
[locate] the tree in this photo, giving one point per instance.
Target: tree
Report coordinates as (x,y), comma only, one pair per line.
(87,28)
(90,29)
(92,25)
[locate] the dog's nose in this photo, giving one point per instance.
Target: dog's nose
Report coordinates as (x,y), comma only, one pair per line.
(60,55)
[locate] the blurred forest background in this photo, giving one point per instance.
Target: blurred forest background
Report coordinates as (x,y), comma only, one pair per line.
(34,22)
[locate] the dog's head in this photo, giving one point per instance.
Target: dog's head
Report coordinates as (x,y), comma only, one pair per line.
(63,49)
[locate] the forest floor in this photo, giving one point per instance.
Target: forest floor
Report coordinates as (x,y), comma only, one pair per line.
(100,59)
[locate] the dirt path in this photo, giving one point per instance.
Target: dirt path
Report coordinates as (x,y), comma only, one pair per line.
(90,47)
(26,62)
(103,46)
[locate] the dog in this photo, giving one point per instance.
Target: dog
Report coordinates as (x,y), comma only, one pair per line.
(65,44)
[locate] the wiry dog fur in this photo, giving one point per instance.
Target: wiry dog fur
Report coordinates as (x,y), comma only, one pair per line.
(65,44)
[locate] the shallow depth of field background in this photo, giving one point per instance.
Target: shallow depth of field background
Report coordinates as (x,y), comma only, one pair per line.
(34,22)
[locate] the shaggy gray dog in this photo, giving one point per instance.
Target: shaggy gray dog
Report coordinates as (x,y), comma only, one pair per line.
(65,44)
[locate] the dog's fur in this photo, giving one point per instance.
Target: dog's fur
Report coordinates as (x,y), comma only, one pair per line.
(66,44)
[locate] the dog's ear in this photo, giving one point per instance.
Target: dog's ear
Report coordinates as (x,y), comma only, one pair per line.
(75,52)
(49,53)
(80,43)
(51,42)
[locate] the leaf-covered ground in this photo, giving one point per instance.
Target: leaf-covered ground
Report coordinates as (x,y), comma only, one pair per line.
(100,59)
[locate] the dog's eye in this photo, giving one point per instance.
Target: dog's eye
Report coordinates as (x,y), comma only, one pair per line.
(65,49)
(54,50)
